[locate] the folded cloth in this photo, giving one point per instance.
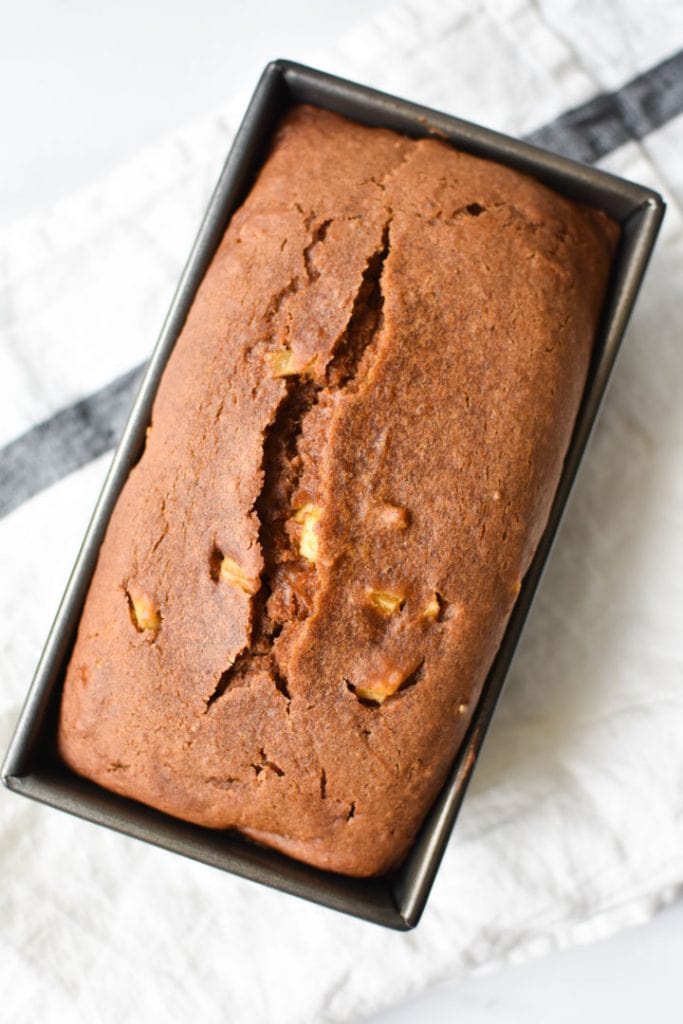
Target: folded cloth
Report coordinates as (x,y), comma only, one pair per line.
(573,826)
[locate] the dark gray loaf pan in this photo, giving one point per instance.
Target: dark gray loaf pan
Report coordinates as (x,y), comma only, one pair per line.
(32,767)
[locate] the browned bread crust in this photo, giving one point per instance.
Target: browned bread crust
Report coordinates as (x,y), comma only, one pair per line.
(352,456)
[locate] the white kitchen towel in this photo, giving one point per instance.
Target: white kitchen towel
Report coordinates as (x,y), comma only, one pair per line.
(573,826)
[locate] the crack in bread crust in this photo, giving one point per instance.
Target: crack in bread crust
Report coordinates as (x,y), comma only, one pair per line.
(286,593)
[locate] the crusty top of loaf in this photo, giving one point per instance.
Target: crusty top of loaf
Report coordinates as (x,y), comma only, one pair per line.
(352,456)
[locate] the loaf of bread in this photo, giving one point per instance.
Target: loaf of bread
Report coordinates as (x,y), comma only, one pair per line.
(351,459)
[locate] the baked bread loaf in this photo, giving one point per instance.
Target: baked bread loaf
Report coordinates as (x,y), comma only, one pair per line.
(351,459)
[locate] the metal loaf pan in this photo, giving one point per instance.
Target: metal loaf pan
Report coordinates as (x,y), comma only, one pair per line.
(32,767)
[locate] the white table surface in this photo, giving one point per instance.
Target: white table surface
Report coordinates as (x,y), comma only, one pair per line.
(84,86)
